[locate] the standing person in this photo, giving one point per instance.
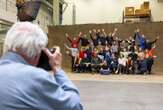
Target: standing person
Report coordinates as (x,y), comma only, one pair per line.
(143,42)
(26,87)
(142,62)
(103,38)
(73,53)
(114,48)
(131,44)
(150,58)
(133,55)
(94,38)
(84,41)
(74,41)
(111,37)
(140,39)
(137,36)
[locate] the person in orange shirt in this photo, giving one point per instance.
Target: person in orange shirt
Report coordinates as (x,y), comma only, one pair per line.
(150,58)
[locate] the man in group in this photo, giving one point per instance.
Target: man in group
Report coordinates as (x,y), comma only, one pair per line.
(26,87)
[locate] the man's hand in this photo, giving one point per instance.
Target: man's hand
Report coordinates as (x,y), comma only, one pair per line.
(55,59)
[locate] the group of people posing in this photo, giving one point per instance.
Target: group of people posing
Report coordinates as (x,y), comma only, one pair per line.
(99,52)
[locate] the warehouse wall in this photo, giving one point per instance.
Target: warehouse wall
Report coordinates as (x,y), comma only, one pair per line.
(8,10)
(107,11)
(57,37)
(44,18)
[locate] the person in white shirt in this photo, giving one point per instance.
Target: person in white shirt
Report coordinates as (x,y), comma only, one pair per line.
(121,64)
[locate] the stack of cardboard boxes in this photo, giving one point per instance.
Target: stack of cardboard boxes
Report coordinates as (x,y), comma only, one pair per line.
(20,1)
(129,11)
(144,11)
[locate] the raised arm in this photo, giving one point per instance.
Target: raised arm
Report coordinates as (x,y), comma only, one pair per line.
(67,47)
(90,34)
(114,32)
(79,36)
(137,34)
(68,37)
(154,40)
(153,49)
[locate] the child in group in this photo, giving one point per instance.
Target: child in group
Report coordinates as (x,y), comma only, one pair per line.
(122,61)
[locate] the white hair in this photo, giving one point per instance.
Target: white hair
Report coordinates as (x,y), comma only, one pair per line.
(25,37)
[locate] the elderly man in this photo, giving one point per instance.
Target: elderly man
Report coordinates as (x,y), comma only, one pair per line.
(26,87)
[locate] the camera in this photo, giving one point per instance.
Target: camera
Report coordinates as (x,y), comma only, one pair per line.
(44,60)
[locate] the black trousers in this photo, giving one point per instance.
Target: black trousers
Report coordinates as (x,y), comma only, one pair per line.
(72,63)
(150,62)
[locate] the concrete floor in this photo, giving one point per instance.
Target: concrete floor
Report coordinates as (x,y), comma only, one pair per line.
(121,78)
(112,95)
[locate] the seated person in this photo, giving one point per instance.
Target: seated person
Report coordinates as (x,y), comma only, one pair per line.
(104,68)
(96,63)
(129,66)
(113,63)
(85,64)
(122,61)
(142,66)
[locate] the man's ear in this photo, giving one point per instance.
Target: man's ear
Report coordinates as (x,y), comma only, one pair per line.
(35,60)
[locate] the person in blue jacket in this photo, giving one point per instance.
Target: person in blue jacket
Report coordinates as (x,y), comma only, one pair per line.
(140,39)
(26,87)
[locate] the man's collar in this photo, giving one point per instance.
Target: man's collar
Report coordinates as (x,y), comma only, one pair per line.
(13,56)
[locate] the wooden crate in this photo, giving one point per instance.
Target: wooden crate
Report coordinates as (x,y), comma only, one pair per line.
(129,11)
(146,5)
(142,12)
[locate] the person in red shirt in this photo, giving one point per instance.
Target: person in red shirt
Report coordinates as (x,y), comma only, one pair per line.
(74,41)
(81,53)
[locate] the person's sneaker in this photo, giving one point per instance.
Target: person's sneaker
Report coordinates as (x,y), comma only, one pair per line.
(116,72)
